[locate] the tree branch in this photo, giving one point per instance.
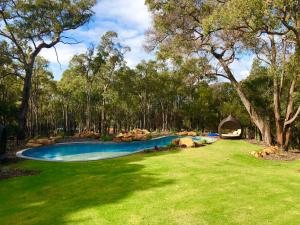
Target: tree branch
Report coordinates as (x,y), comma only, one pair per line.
(288,122)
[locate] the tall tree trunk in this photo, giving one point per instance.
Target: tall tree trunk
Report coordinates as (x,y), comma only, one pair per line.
(103,118)
(24,105)
(88,106)
(88,112)
(262,124)
(289,118)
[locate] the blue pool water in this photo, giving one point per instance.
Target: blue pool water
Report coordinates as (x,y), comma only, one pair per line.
(93,151)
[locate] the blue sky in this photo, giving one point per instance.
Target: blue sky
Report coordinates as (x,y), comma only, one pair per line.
(130,19)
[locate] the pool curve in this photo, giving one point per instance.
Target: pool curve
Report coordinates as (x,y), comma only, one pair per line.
(88,151)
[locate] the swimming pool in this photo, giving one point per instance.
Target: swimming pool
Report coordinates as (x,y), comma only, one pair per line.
(94,151)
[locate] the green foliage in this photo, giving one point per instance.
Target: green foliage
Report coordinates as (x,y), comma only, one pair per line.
(106,137)
(171,145)
(204,141)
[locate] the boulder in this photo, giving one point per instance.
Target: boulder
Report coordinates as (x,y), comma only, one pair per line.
(33,145)
(258,154)
(268,151)
(263,154)
(44,141)
(87,134)
(183,133)
(40,142)
(119,135)
(175,142)
(127,135)
(117,139)
(126,139)
(56,138)
(145,131)
(136,131)
(186,142)
(192,133)
(139,137)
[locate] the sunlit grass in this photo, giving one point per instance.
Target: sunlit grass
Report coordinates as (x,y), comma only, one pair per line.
(217,184)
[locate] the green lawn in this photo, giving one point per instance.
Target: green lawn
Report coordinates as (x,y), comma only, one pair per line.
(217,184)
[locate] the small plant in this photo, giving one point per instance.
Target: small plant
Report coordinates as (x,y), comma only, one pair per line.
(60,134)
(105,137)
(204,141)
(171,145)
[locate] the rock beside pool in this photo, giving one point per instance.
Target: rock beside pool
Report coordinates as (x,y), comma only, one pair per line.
(40,142)
(139,137)
(186,142)
(175,142)
(33,145)
(187,133)
(126,139)
(134,135)
(87,134)
(182,133)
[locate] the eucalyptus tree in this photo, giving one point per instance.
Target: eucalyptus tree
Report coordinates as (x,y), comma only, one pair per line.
(111,52)
(42,92)
(271,30)
(221,31)
(71,98)
(27,27)
(87,65)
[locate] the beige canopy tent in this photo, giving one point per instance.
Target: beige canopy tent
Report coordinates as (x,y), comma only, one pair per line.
(232,126)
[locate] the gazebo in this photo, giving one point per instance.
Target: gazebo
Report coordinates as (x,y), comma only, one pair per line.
(230,128)
(2,140)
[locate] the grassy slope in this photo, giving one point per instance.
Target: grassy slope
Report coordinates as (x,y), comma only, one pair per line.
(216,184)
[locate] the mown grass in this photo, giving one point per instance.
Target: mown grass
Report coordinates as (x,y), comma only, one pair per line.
(217,184)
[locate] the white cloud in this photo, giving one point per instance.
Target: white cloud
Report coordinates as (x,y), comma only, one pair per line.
(64,53)
(244,74)
(128,12)
(129,18)
(241,68)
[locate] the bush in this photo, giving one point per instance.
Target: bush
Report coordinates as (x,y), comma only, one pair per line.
(171,145)
(106,137)
(204,141)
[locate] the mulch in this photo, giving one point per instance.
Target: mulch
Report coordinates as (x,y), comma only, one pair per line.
(290,155)
(6,172)
(284,156)
(7,161)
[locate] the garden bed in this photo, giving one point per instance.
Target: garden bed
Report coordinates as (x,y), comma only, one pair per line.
(6,172)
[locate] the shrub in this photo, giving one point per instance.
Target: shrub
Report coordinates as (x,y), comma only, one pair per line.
(204,141)
(106,137)
(171,145)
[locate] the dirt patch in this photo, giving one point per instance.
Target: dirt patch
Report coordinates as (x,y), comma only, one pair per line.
(256,142)
(6,172)
(284,156)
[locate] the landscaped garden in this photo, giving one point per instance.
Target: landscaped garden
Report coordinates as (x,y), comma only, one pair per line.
(216,184)
(150,112)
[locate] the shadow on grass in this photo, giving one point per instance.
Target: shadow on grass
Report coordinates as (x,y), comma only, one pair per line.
(65,188)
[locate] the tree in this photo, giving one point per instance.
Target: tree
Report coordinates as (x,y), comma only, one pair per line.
(87,65)
(28,27)
(270,29)
(41,96)
(222,30)
(111,51)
